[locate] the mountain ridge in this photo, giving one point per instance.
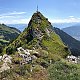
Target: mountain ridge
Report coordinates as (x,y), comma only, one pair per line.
(73,31)
(71,42)
(39,34)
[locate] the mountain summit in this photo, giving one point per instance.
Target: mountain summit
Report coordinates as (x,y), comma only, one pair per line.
(39,35)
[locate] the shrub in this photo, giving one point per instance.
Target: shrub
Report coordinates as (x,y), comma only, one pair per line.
(63,71)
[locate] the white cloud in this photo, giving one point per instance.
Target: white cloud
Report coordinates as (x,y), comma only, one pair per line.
(19,18)
(11,14)
(71,16)
(3,17)
(70,19)
(20,21)
(13,18)
(16,13)
(15,21)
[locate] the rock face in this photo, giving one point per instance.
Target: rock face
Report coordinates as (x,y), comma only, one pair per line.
(38,27)
(4,67)
(25,55)
(5,59)
(39,35)
(72,59)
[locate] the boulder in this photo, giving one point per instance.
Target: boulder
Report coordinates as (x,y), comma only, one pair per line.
(4,67)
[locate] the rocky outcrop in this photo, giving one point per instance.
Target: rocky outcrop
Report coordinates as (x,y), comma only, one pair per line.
(26,55)
(4,67)
(73,59)
(5,59)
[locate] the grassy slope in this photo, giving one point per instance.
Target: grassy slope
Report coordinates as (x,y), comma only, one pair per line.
(63,70)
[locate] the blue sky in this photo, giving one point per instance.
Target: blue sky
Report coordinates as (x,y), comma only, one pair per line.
(57,11)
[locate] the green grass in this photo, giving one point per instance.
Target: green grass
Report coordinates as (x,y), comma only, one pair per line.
(5,41)
(64,71)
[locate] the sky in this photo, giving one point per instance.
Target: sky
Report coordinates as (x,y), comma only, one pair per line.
(57,11)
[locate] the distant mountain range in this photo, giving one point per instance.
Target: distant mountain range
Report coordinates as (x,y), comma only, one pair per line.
(72,43)
(63,25)
(73,31)
(20,27)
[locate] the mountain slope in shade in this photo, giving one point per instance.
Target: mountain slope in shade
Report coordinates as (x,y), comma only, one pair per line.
(72,43)
(39,35)
(7,34)
(73,31)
